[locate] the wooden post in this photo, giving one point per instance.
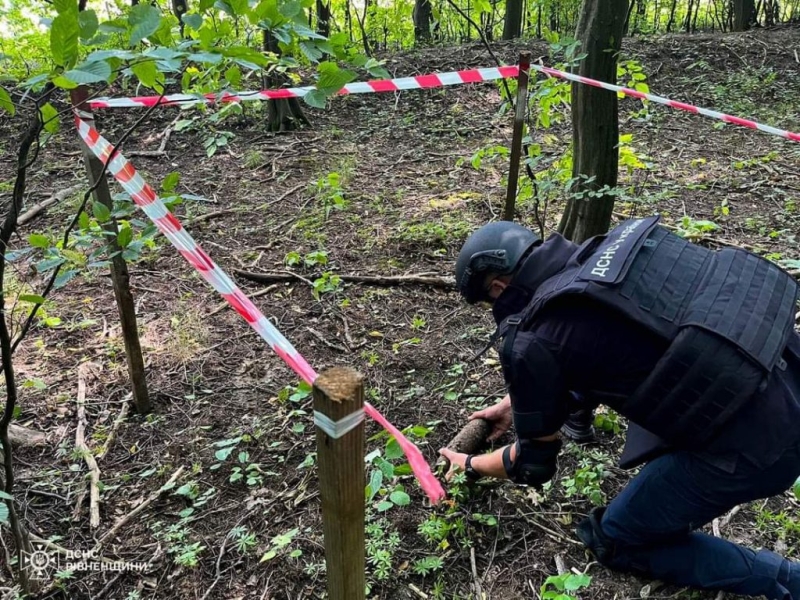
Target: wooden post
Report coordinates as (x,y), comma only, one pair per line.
(339,419)
(119,269)
(516,138)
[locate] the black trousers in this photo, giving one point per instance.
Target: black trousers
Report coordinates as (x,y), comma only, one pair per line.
(652,525)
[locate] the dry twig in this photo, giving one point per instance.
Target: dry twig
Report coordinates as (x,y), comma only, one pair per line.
(138,510)
(37,209)
(82,448)
(123,413)
(375,280)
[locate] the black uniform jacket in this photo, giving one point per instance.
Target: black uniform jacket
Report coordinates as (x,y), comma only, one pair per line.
(602,357)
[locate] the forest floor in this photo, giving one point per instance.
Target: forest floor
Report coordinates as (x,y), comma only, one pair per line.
(382,184)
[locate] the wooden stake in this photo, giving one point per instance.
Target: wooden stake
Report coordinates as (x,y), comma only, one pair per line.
(119,269)
(516,138)
(338,414)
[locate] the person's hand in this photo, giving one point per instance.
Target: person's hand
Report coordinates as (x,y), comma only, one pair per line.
(499,415)
(457,460)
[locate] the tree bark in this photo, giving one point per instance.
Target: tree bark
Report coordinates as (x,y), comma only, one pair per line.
(120,278)
(595,123)
(180,8)
(324,18)
(512,26)
(423,17)
(285,114)
(671,20)
(743,14)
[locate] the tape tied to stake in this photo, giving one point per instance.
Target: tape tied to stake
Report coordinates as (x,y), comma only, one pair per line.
(340,428)
(147,199)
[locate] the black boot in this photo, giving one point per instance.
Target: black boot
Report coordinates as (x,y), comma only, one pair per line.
(579,427)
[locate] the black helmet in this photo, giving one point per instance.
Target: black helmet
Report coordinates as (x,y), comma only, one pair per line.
(496,247)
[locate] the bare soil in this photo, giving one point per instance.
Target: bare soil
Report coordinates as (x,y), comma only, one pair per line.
(412,197)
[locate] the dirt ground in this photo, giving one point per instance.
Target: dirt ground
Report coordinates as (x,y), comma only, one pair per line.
(384,184)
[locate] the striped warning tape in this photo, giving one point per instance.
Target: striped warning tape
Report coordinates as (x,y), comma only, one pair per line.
(433,80)
(146,198)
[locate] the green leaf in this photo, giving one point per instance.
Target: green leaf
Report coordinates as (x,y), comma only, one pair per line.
(64,277)
(171,181)
(4,512)
(88,24)
(269,555)
(224,453)
(210,58)
(234,76)
(37,240)
(65,6)
(384,506)
(332,78)
(147,72)
(64,34)
(144,20)
(32,298)
(386,468)
(6,103)
(89,72)
(83,221)
(576,582)
(316,98)
(124,236)
(192,20)
(49,263)
(50,118)
(245,54)
(400,498)
(393,450)
(375,482)
(101,212)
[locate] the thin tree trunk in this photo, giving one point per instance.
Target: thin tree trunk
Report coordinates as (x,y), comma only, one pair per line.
(180,8)
(512,26)
(120,278)
(423,17)
(324,18)
(595,120)
(671,20)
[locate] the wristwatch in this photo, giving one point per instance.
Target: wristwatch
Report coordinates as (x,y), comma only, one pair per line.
(470,471)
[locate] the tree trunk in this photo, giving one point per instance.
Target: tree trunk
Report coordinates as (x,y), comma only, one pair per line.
(743,14)
(324,18)
(180,8)
(512,26)
(671,20)
(423,17)
(120,277)
(284,114)
(595,123)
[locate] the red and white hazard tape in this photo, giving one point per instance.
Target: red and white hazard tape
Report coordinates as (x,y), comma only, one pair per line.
(145,198)
(433,80)
(671,103)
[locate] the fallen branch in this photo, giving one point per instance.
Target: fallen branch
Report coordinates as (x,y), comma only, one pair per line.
(83,449)
(22,436)
(209,216)
(374,280)
(138,510)
(162,147)
(37,209)
(123,413)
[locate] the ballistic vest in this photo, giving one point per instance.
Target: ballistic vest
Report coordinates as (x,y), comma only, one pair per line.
(725,316)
